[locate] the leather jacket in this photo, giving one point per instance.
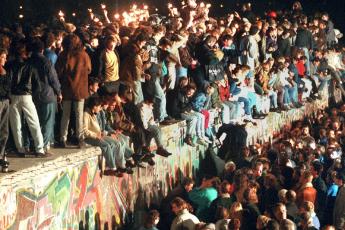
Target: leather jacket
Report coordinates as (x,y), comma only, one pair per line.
(23,76)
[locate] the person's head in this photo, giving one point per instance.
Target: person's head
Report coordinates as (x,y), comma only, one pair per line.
(316,168)
(209,90)
(110,42)
(183,82)
(207,181)
(279,211)
(305,130)
(72,44)
(307,206)
(340,179)
(225,188)
(227,40)
(152,219)
(258,169)
(210,40)
(325,16)
(190,90)
(290,196)
(141,39)
(306,220)
(245,152)
(94,42)
(253,30)
(187,184)
(270,181)
(20,50)
(93,85)
(234,224)
(236,210)
(125,93)
(287,224)
(262,221)
(222,213)
(307,177)
(3,57)
(230,166)
(49,40)
(282,195)
(158,32)
(273,225)
(250,195)
(177,205)
(149,100)
(94,104)
(165,44)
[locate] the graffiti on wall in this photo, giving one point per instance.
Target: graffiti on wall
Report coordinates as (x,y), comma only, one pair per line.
(76,197)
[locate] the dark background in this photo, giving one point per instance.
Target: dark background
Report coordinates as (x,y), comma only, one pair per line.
(43,10)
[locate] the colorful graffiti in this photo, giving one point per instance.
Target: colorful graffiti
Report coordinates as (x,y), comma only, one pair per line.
(75,196)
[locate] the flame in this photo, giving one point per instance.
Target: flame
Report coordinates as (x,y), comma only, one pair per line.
(61,14)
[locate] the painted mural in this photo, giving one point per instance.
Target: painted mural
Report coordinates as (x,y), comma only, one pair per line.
(77,197)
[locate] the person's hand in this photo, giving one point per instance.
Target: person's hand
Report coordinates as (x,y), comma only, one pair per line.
(99,136)
(59,98)
(147,77)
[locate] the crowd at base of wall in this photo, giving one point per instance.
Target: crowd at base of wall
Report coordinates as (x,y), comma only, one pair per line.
(69,193)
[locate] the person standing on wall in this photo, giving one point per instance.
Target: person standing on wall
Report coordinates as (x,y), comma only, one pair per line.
(5,87)
(73,67)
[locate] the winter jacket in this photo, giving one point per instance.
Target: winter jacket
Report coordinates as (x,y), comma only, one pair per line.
(24,77)
(48,79)
(73,71)
(131,69)
(304,39)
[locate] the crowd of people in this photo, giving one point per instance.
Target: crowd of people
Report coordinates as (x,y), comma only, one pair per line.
(114,83)
(297,182)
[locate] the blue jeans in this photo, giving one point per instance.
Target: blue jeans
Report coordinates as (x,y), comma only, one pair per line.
(111,150)
(138,96)
(78,107)
(286,96)
(293,93)
(245,101)
(230,111)
(273,99)
(22,106)
(154,132)
(159,106)
(191,121)
(46,114)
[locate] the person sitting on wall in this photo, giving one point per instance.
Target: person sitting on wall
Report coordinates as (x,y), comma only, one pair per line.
(111,148)
(152,129)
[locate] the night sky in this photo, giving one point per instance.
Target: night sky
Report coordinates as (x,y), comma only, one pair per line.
(43,10)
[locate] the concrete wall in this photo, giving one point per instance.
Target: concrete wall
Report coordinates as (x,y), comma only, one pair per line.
(68,193)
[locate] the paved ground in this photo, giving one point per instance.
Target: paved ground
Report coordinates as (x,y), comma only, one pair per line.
(17,164)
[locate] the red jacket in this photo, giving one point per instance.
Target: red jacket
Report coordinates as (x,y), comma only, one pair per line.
(224,92)
(301,68)
(306,193)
